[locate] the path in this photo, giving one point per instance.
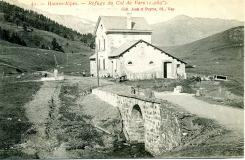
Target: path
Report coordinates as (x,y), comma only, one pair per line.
(37,111)
(230,117)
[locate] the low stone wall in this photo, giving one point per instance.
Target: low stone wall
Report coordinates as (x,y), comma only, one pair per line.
(141,76)
(108,97)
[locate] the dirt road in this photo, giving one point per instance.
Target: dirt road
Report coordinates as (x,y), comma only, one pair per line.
(231,118)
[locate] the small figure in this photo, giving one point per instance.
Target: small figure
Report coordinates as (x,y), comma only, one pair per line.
(133,90)
(55,73)
(84,73)
(198,93)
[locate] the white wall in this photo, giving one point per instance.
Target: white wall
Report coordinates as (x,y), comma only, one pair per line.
(93,67)
(141,56)
(102,49)
(116,40)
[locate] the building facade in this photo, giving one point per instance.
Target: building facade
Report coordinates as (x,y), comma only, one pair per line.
(124,48)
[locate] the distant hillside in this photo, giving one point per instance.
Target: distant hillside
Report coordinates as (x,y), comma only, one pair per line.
(222,53)
(30,41)
(20,17)
(183,29)
(76,23)
(35,30)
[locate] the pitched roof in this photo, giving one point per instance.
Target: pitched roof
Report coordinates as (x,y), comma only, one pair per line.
(118,51)
(128,45)
(119,24)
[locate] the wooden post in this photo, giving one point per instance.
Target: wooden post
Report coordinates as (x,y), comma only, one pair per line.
(3,74)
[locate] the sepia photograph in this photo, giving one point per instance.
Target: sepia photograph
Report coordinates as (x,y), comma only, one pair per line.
(122,79)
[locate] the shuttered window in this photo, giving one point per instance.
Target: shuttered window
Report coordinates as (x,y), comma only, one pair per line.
(103,44)
(99,45)
(103,64)
(99,64)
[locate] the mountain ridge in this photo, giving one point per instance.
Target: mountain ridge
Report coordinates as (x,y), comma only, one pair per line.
(76,23)
(221,53)
(184,29)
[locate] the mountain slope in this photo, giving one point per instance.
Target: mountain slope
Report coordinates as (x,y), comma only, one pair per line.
(183,29)
(78,24)
(29,41)
(222,53)
(27,59)
(36,30)
(15,58)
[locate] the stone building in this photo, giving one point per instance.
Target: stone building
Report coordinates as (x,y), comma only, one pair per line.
(124,49)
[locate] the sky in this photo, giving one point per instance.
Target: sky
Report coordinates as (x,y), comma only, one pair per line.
(91,9)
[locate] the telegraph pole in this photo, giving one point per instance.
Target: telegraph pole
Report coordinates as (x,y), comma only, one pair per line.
(56,63)
(67,59)
(97,64)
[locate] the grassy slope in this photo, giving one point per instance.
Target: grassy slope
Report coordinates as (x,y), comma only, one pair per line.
(76,63)
(29,59)
(221,53)
(32,59)
(13,122)
(39,37)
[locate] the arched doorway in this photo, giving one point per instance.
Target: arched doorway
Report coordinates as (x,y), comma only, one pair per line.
(137,129)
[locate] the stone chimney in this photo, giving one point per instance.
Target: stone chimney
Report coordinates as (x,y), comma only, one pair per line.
(129,21)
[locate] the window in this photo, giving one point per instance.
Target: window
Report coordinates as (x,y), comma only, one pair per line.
(104,44)
(99,45)
(99,64)
(103,64)
(151,62)
(130,62)
(178,65)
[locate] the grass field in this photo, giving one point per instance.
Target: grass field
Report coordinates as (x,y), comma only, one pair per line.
(33,59)
(13,122)
(76,63)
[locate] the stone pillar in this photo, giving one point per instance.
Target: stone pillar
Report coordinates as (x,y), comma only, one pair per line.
(162,130)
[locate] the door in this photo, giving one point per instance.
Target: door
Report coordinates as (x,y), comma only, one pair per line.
(167,69)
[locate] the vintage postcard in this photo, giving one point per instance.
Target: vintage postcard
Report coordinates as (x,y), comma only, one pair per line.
(121,79)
